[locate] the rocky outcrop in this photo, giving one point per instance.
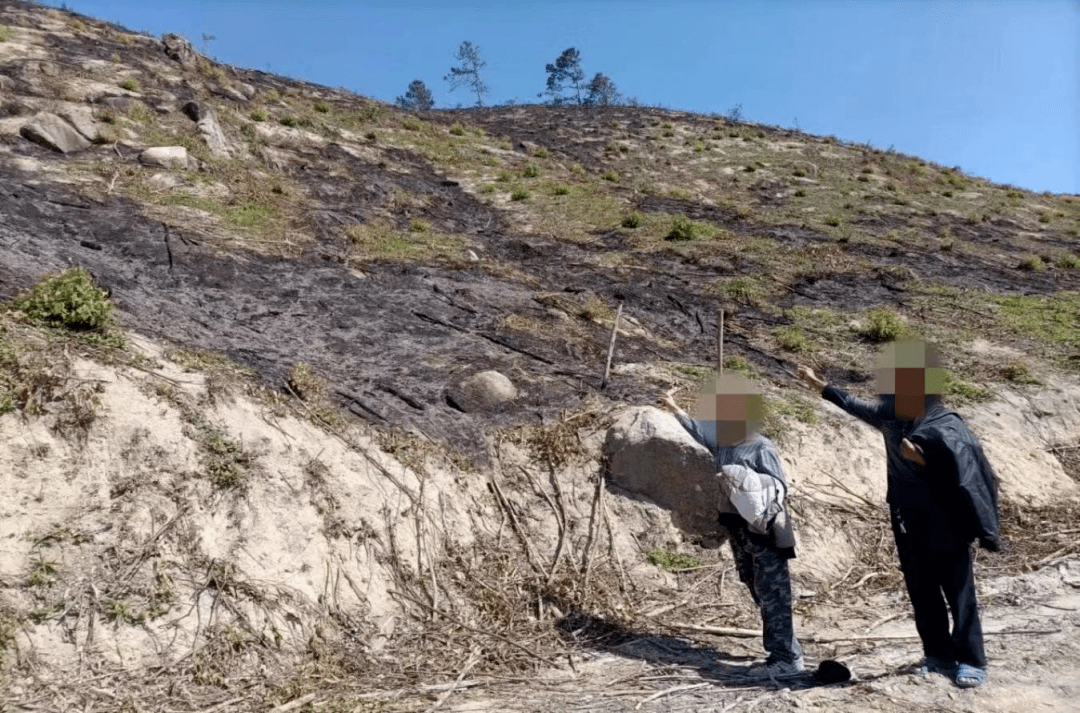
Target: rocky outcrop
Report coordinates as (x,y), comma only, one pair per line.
(52,132)
(483,391)
(165,157)
(179,50)
(650,455)
(212,134)
(82,120)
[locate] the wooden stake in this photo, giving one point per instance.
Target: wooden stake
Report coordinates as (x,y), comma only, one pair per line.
(611,348)
(720,346)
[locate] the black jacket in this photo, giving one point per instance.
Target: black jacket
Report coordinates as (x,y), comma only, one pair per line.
(954,496)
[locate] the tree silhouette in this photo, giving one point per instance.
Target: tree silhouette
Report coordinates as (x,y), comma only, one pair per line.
(417,97)
(602,91)
(468,74)
(565,74)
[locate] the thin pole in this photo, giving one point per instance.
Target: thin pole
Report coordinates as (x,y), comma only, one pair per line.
(720,346)
(611,347)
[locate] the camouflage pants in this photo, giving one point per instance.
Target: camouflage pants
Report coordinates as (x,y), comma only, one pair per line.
(765,572)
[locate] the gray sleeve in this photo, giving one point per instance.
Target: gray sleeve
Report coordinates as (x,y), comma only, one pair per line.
(693,427)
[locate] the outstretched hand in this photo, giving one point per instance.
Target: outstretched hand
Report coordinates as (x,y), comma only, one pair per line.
(667,402)
(807,374)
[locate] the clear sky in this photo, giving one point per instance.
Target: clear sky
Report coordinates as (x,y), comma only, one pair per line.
(992,86)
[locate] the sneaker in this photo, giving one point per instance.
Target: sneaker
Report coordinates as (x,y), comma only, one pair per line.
(970,676)
(932,664)
(776,669)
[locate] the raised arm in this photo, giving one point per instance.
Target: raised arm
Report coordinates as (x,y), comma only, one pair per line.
(692,426)
(872,412)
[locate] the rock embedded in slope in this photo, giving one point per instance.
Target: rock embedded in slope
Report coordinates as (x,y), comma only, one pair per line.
(482,391)
(212,134)
(52,132)
(82,120)
(165,157)
(649,454)
(179,50)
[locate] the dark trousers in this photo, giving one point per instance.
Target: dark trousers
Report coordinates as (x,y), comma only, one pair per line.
(937,572)
(764,570)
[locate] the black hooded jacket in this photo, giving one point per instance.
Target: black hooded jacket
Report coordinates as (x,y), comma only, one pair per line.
(953,498)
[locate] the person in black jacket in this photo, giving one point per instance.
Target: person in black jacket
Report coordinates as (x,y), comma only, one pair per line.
(942,495)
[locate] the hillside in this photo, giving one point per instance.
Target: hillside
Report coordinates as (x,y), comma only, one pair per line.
(267,484)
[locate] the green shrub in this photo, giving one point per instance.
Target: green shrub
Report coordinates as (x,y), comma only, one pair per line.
(1033,263)
(288,120)
(610,175)
(883,325)
(800,193)
(130,84)
(832,220)
(540,152)
(792,339)
(683,229)
(743,289)
(488,188)
(577,169)
(5,33)
(531,171)
(322,107)
(69,299)
(562,189)
(457,130)
(672,560)
(259,115)
(418,226)
(411,125)
(633,220)
(1069,262)
(519,194)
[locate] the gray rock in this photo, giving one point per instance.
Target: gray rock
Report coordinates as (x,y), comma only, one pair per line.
(247,90)
(651,455)
(229,93)
(165,157)
(124,104)
(6,83)
(82,119)
(212,134)
(50,131)
(481,391)
(180,50)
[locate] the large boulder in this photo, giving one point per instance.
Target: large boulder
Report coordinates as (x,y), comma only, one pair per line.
(165,157)
(482,391)
(650,455)
(179,49)
(82,120)
(50,131)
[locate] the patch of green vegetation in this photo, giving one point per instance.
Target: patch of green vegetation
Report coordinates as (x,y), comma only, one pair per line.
(884,325)
(225,459)
(488,188)
(832,220)
(1069,262)
(43,572)
(321,107)
(793,406)
(259,115)
(120,612)
(577,168)
(738,363)
(130,84)
(962,392)
(633,220)
(531,170)
(519,194)
(610,175)
(1032,263)
(69,299)
(289,120)
(457,129)
(1054,319)
(682,228)
(561,189)
(792,339)
(381,241)
(673,561)
(418,226)
(5,33)
(742,289)
(800,193)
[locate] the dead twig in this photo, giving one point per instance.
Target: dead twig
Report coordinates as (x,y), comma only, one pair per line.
(668,692)
(611,348)
(294,704)
(474,657)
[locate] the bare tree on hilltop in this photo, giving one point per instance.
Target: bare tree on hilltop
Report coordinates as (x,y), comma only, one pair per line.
(565,73)
(417,98)
(468,74)
(602,91)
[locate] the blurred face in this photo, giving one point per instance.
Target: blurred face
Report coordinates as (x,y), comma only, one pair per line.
(734,406)
(910,371)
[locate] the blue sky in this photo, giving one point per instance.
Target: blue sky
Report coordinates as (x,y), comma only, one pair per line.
(992,86)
